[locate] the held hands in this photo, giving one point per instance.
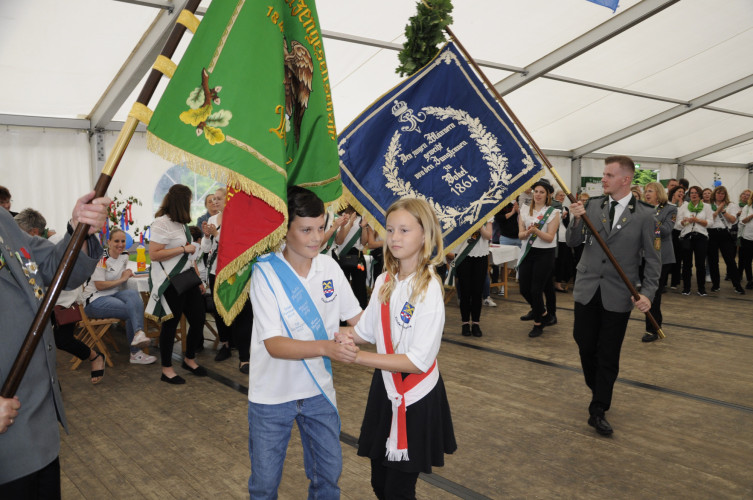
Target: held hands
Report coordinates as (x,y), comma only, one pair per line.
(211,230)
(189,248)
(125,275)
(345,335)
(344,353)
(205,228)
(94,213)
(8,412)
(643,304)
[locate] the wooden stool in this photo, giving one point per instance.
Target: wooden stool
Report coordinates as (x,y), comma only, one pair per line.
(95,332)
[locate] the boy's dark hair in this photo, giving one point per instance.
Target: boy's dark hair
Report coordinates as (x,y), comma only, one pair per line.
(684,183)
(176,204)
(4,194)
(196,233)
(303,203)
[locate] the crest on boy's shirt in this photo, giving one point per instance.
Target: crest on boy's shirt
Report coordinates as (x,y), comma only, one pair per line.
(328,287)
(407,312)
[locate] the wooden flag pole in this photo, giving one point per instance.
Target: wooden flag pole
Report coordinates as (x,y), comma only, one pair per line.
(559,180)
(42,317)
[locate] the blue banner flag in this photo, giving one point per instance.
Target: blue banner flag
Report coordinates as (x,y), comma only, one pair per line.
(439,136)
(611,4)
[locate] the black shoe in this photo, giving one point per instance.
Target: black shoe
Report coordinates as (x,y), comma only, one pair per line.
(199,348)
(649,337)
(549,320)
(714,288)
(739,290)
(176,380)
(476,330)
(749,286)
(243,368)
(466,330)
(527,316)
(600,424)
(537,331)
(702,292)
(199,371)
(223,353)
(686,292)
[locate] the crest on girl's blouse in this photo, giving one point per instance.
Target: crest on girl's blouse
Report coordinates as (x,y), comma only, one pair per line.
(328,287)
(407,312)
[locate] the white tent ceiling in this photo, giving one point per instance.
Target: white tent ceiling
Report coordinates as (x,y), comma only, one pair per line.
(666,80)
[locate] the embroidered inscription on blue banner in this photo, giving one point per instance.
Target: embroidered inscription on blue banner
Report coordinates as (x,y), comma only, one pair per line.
(439,136)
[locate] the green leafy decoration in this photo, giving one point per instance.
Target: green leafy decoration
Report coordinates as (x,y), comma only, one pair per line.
(424,34)
(220,118)
(196,98)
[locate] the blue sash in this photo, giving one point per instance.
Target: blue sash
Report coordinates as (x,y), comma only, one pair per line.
(299,314)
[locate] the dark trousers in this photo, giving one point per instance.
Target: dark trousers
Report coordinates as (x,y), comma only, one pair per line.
(720,240)
(563,263)
(599,334)
(389,483)
(357,278)
(65,341)
(677,266)
(535,276)
(223,330)
(43,484)
(656,303)
(471,274)
(746,259)
(238,334)
(698,245)
(190,303)
(241,331)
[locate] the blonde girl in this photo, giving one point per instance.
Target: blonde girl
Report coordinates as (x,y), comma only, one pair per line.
(405,319)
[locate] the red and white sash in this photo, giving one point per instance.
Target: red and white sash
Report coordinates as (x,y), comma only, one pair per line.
(401,393)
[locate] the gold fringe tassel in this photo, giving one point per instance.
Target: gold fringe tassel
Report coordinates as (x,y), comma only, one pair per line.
(372,221)
(207,168)
(189,20)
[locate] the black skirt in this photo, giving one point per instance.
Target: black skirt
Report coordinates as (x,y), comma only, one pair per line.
(428,425)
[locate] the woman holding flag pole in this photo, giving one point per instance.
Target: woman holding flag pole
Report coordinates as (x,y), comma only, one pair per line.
(538,224)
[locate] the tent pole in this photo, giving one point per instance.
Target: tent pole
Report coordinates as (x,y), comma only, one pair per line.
(557,178)
(63,272)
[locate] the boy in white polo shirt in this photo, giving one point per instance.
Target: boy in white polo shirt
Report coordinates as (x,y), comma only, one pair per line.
(299,297)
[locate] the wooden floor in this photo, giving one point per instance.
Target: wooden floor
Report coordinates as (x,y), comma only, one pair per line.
(682,413)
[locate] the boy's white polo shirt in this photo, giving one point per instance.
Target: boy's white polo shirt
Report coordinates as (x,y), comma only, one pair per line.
(272,380)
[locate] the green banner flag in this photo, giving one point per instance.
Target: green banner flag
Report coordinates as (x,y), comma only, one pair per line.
(250,105)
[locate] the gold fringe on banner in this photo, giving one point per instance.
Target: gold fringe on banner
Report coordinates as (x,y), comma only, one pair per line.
(141,113)
(372,221)
(165,66)
(207,168)
(187,19)
(271,242)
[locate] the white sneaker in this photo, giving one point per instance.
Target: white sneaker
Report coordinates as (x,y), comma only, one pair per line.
(489,302)
(140,339)
(140,358)
(501,291)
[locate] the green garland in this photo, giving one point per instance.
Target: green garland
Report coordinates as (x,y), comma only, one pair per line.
(424,33)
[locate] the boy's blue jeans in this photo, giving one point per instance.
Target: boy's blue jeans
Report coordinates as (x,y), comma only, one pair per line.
(269,429)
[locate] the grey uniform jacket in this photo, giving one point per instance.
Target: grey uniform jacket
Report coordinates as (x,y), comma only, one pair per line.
(33,441)
(666,218)
(632,235)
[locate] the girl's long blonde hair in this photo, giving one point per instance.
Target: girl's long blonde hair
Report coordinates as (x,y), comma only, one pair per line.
(431,255)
